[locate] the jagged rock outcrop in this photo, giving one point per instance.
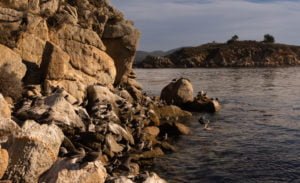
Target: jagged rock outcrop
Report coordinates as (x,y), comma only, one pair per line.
(234,54)
(70,44)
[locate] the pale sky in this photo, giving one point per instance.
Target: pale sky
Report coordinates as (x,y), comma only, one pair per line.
(168,24)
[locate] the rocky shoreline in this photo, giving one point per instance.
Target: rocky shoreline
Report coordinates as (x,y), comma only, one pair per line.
(231,54)
(70,107)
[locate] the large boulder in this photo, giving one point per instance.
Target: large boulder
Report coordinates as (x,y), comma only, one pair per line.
(66,171)
(12,70)
(178,92)
(121,40)
(32,151)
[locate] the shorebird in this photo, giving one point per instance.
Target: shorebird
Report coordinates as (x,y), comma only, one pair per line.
(202,120)
(165,137)
(206,127)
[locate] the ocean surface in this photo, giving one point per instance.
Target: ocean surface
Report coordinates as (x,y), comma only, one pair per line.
(254,138)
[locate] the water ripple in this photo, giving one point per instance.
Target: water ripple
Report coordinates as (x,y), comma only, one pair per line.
(256,136)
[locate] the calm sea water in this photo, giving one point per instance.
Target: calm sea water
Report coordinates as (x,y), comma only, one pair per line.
(256,136)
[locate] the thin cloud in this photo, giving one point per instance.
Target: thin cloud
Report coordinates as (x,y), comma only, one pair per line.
(174,23)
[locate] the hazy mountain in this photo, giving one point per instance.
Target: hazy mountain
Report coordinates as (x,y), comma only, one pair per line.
(141,55)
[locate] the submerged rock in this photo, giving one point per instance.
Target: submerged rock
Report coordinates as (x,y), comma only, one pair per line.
(199,105)
(169,112)
(174,129)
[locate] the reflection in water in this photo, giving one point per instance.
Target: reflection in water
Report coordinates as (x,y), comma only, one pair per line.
(255,137)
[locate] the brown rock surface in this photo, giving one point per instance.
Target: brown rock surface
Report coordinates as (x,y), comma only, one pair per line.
(171,112)
(31,48)
(12,62)
(55,62)
(4,158)
(12,71)
(152,130)
(32,151)
(4,108)
(7,127)
(79,29)
(121,39)
(67,172)
(184,130)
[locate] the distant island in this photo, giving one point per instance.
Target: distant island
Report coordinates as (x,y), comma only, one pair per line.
(233,53)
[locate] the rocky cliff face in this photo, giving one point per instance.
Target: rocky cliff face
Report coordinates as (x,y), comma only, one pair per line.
(71,44)
(70,107)
(235,54)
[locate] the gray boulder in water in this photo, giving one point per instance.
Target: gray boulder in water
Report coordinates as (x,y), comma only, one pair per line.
(178,92)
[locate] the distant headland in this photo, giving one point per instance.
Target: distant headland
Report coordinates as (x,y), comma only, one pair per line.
(233,53)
